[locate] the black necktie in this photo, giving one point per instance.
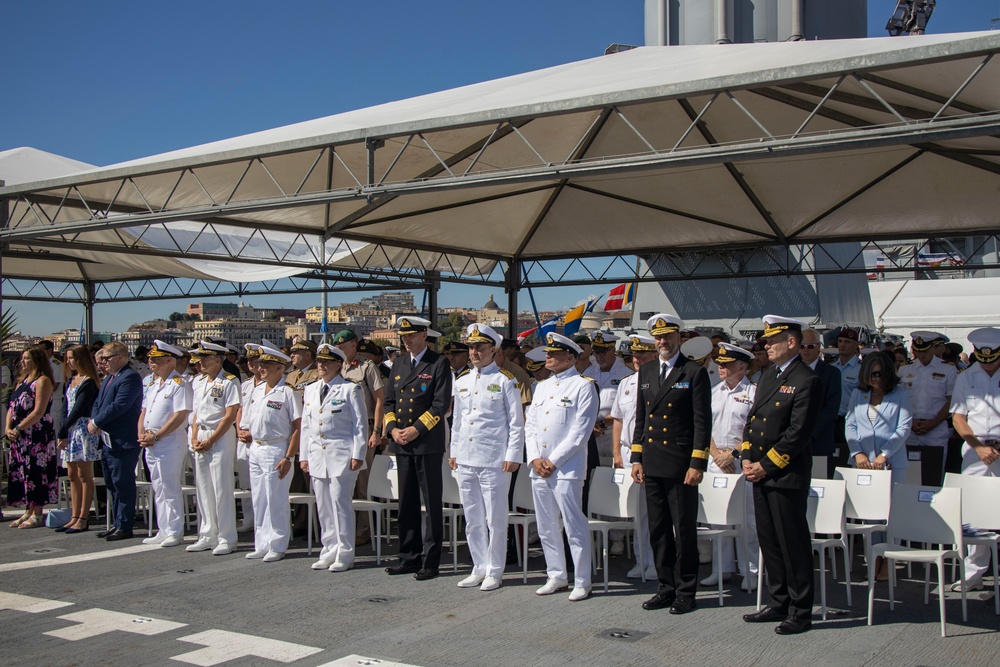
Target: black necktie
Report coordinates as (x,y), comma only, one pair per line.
(323,392)
(663,373)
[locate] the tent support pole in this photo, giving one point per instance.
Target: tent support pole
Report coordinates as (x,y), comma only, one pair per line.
(433,285)
(88,306)
(513,285)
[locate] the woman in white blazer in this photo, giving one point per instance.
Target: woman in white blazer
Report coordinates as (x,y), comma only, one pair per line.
(334,438)
(878,418)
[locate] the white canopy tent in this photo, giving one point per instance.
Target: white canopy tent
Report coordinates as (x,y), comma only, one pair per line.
(653,151)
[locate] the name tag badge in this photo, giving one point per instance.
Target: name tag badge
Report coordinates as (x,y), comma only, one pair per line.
(644,386)
(720,483)
(275,405)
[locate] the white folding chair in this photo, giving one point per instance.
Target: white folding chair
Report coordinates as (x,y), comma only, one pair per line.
(612,494)
(721,502)
(928,515)
(869,493)
(383,496)
(825,513)
(523,515)
(451,506)
(914,469)
(979,500)
(309,500)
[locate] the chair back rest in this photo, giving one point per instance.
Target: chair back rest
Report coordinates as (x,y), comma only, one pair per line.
(979,499)
(722,499)
(383,481)
(450,494)
(612,493)
(928,514)
(523,501)
(825,506)
(869,493)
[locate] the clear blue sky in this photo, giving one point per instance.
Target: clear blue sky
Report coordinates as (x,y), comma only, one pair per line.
(104,82)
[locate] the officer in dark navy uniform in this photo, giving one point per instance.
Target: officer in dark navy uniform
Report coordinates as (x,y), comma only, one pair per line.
(673,430)
(417,397)
(777,458)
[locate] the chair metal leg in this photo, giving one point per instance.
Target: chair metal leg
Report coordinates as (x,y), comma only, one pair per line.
(378,537)
(847,577)
(605,536)
(822,581)
(761,578)
(524,556)
(717,547)
(892,584)
(871,589)
(940,566)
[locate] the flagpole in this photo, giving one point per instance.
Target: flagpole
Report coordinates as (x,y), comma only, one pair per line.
(635,297)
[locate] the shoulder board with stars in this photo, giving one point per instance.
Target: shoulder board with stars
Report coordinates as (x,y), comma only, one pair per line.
(507,373)
(230,376)
(178,380)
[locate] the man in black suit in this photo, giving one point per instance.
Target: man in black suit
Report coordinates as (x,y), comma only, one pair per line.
(777,458)
(670,445)
(417,397)
(115,417)
(823,442)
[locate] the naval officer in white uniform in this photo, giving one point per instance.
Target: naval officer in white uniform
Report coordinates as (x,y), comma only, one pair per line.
(163,433)
(487,443)
(213,446)
(334,440)
(274,419)
(559,422)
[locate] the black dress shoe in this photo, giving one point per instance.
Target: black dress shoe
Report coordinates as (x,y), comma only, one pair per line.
(394,570)
(106,533)
(659,601)
(793,626)
(74,531)
(119,535)
(423,574)
(683,605)
(765,615)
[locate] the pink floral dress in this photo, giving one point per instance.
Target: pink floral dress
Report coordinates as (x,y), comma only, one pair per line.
(33,476)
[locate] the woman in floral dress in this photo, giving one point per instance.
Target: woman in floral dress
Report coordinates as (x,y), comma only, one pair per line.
(32,438)
(79,447)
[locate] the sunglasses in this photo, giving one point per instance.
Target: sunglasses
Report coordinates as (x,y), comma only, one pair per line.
(876,374)
(810,346)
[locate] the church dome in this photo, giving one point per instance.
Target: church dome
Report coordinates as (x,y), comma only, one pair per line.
(491,304)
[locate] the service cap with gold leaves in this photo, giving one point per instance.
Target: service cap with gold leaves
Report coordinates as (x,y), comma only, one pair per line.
(535,359)
(925,340)
(987,344)
(411,325)
(642,343)
(161,349)
(194,355)
(327,352)
(558,343)
(604,340)
(480,333)
(271,354)
(266,343)
(729,353)
(664,323)
(304,345)
(208,349)
(776,324)
(368,347)
(697,349)
(454,347)
(252,350)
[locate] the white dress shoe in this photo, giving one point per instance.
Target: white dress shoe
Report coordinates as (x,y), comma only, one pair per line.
(553,586)
(490,584)
(172,541)
(322,564)
(200,545)
(471,581)
(579,593)
(245,528)
(617,548)
(713,579)
(155,539)
(969,586)
(256,555)
(651,573)
(340,567)
(634,573)
(274,556)
(223,549)
(750,583)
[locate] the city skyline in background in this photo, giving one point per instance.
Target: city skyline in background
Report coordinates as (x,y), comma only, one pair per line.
(136,80)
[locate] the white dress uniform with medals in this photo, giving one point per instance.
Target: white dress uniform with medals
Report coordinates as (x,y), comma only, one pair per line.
(214,469)
(607,388)
(977,397)
(164,398)
(557,427)
(270,424)
(334,431)
(487,430)
(930,386)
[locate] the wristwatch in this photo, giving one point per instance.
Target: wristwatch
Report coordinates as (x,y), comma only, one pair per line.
(290,459)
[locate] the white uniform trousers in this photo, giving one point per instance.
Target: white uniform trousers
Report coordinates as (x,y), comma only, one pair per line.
(166,469)
(640,535)
(484,498)
(748,531)
(213,479)
(563,497)
(978,560)
(243,479)
(336,516)
(272,513)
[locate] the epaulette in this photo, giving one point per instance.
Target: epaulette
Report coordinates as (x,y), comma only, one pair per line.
(508,373)
(466,372)
(178,380)
(230,376)
(587,377)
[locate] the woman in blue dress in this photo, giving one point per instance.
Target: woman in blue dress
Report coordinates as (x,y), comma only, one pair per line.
(79,447)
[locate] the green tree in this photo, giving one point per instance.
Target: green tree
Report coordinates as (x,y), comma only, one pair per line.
(452,328)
